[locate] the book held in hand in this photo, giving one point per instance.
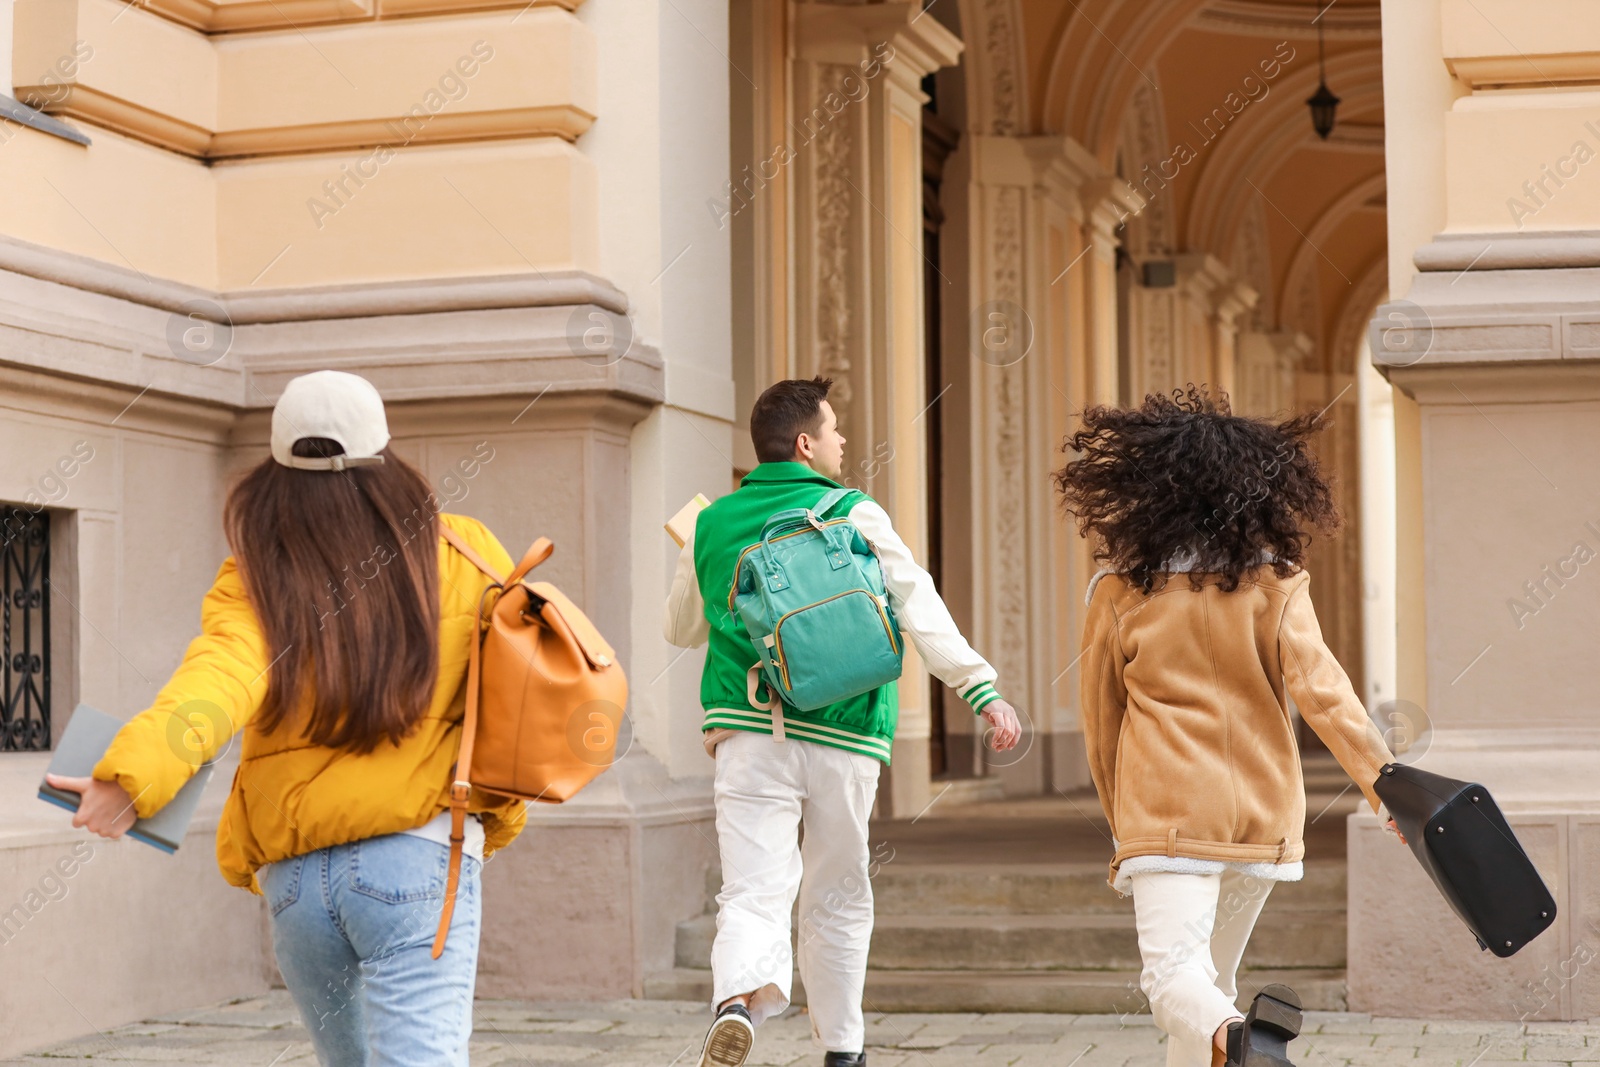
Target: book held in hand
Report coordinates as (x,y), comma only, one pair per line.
(681,525)
(88,734)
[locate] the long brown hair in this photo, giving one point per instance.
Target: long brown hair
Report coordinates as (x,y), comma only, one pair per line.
(342,569)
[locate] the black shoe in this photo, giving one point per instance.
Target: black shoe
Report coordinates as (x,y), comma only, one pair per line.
(1262,1039)
(845,1059)
(730,1038)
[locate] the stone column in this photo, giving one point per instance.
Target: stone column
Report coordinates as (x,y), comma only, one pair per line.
(1211,299)
(857,116)
(1496,343)
(1033,280)
(1267,363)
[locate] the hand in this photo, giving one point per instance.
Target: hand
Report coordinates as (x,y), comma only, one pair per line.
(1395,827)
(106,808)
(1007,730)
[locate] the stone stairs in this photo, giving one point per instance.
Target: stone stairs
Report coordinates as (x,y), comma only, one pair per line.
(995,907)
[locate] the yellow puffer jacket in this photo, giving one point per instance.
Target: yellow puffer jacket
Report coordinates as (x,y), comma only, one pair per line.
(289,797)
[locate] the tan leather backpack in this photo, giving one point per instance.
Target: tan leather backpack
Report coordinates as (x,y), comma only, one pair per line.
(545,697)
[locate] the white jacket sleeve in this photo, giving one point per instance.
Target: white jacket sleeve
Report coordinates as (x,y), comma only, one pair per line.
(684,622)
(922,614)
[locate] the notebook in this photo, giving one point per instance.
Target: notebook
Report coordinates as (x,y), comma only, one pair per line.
(88,734)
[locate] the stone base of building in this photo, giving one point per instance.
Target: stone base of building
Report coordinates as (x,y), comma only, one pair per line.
(95,934)
(1410,956)
(588,900)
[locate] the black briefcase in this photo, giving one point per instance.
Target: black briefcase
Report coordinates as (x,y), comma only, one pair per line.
(1456,831)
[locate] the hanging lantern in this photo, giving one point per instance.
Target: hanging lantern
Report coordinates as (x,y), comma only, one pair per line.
(1323,104)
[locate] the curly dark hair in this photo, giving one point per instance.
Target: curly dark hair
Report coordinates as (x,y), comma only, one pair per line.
(1182,474)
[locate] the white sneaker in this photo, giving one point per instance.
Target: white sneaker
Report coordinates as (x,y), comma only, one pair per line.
(730,1038)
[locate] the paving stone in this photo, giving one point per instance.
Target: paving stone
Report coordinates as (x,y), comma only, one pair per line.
(265,1032)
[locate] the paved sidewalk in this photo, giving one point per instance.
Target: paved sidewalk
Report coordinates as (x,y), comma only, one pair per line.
(265,1032)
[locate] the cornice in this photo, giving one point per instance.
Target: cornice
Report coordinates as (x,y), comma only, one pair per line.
(244,16)
(353,300)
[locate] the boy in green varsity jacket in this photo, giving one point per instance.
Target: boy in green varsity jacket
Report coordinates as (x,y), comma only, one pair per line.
(820,767)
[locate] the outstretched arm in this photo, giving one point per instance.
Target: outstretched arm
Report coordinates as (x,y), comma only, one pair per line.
(1324,695)
(211,696)
(925,619)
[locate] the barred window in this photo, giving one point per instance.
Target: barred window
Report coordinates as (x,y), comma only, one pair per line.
(25,581)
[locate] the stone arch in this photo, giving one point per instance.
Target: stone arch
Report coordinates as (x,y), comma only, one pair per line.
(1370,290)
(1100,56)
(1248,154)
(1303,265)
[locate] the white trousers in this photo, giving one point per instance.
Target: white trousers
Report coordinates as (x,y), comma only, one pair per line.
(765,791)
(1192,933)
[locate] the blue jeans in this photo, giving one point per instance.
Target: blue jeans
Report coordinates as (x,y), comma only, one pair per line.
(353,929)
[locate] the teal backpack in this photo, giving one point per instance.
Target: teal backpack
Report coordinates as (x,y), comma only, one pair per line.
(812,598)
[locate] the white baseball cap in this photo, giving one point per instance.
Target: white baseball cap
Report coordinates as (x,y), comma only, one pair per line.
(329,403)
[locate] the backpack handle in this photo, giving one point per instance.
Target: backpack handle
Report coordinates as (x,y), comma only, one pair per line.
(839,547)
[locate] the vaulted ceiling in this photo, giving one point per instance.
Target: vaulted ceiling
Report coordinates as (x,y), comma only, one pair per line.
(1209,96)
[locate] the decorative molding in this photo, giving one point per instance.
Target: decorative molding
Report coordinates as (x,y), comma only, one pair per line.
(1251,259)
(833,262)
(55,330)
(1008,506)
(1533,250)
(845,34)
(1110,201)
(1515,69)
(95,108)
(1261,18)
(221,16)
(1002,37)
(234,16)
(1490,316)
(1146,145)
(352,300)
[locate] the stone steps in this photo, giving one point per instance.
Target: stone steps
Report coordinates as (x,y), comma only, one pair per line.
(999,907)
(1106,992)
(1050,889)
(1284,937)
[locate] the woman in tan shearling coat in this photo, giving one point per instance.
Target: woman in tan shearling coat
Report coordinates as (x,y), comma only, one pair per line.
(1199,626)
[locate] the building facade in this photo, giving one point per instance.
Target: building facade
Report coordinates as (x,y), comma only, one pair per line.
(571,241)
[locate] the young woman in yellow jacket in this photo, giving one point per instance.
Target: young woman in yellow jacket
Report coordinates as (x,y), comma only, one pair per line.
(1199,625)
(334,643)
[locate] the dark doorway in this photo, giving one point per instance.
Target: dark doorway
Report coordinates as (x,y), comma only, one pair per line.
(938,141)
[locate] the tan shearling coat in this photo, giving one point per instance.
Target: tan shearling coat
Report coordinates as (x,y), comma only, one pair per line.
(1190,741)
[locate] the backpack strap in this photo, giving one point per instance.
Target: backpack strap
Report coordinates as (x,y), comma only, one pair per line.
(829,499)
(459,543)
(461,788)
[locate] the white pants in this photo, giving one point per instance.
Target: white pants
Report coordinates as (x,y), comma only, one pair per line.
(1192,933)
(765,790)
